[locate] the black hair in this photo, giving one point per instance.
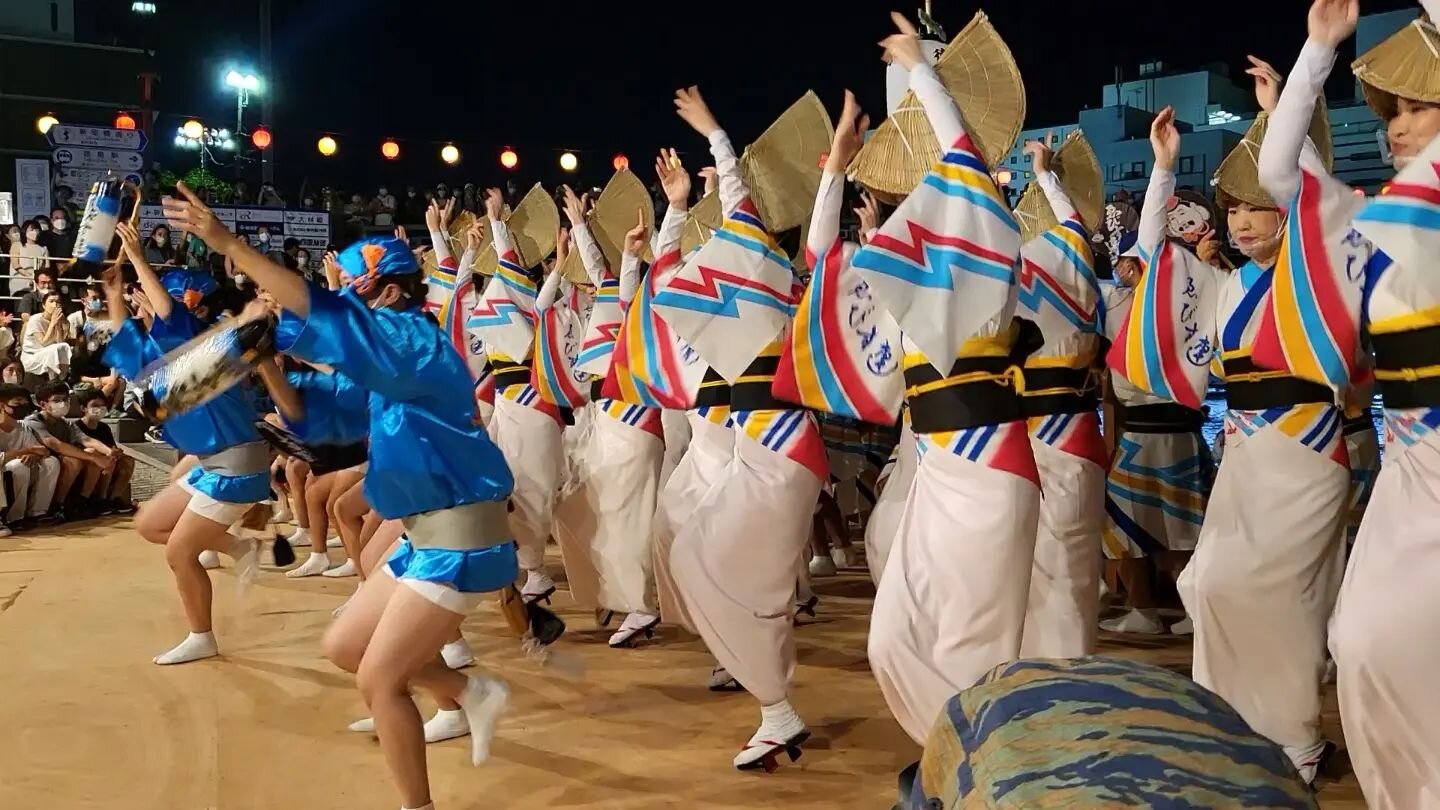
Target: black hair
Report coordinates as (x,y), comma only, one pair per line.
(290,243)
(53,294)
(9,391)
(411,284)
(52,389)
(86,394)
(47,271)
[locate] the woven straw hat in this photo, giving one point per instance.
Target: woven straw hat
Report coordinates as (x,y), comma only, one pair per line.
(533,224)
(1238,177)
(572,269)
(981,75)
(1079,172)
(456,234)
(782,167)
(614,216)
(703,219)
(1405,65)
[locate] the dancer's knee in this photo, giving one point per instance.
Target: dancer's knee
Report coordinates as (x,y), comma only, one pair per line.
(152,525)
(379,679)
(342,649)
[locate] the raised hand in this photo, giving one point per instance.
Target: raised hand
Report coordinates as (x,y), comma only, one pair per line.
(849,135)
(1041,152)
(574,206)
(475,235)
(673,178)
(903,46)
(403,236)
(190,214)
(1165,139)
(130,242)
(692,108)
(1333,21)
(869,214)
(712,178)
(638,236)
(562,244)
(1267,83)
(494,204)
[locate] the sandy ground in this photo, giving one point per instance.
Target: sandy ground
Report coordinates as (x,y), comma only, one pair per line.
(90,722)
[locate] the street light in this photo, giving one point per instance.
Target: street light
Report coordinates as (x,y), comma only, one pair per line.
(45,122)
(243,84)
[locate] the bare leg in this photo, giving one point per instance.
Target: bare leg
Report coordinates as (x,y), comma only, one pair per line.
(296,474)
(348,523)
(378,539)
(317,493)
(70,470)
(183,467)
(120,479)
(193,534)
(404,648)
(90,476)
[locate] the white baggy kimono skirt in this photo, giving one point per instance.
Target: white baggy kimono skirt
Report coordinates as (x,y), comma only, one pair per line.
(1263,580)
(711,448)
(884,522)
(604,524)
(951,604)
(530,439)
(676,433)
(734,561)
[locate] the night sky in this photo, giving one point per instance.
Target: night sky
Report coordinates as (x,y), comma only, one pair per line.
(597,77)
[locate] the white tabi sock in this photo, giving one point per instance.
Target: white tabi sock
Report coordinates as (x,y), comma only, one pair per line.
(195,647)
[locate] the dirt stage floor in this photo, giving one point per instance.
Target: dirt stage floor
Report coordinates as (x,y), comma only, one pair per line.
(90,722)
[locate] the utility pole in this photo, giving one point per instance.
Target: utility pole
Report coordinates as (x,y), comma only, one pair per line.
(267,160)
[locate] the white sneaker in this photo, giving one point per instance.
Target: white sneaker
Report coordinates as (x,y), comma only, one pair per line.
(457,654)
(1184,627)
(822,566)
(781,729)
(1137,622)
(209,560)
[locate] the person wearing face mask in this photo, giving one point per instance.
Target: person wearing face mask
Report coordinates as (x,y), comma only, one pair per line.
(451,498)
(34,472)
(92,328)
(200,511)
(1261,584)
(28,255)
(385,208)
(45,348)
(33,301)
(1159,475)
(83,461)
(1361,273)
(62,236)
(112,493)
(262,239)
(158,249)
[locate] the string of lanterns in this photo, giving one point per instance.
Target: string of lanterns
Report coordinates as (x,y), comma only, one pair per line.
(262,138)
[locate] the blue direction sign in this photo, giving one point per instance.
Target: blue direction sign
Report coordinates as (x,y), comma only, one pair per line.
(74,135)
(99,159)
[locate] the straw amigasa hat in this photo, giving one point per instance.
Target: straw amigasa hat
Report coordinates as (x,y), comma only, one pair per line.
(532,227)
(981,75)
(1238,178)
(782,168)
(1406,65)
(614,216)
(572,268)
(702,220)
(1079,172)
(455,235)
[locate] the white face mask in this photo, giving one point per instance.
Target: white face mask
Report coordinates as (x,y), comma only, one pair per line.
(58,409)
(95,413)
(264,238)
(59,224)
(240,279)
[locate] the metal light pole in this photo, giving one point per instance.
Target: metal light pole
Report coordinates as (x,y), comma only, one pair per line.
(267,163)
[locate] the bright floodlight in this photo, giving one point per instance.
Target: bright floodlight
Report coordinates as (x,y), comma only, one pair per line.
(234,79)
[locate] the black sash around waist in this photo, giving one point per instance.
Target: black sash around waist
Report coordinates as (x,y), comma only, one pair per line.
(964,405)
(511,374)
(1068,381)
(752,391)
(596,387)
(1358,424)
(1398,352)
(714,391)
(1273,392)
(1161,417)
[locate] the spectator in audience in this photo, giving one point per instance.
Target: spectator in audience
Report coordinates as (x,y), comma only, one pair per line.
(45,348)
(13,373)
(469,200)
(113,492)
(7,338)
(241,192)
(386,207)
(33,300)
(302,260)
(62,236)
(269,197)
(28,255)
(9,240)
(83,461)
(412,208)
(33,470)
(158,249)
(93,329)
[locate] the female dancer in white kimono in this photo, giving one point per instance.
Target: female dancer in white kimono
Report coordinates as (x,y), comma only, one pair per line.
(619,462)
(1385,634)
(735,560)
(1262,582)
(947,612)
(1059,292)
(526,428)
(1159,476)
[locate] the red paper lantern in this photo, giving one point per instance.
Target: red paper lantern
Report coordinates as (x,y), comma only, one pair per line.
(124,121)
(620,162)
(509,159)
(261,138)
(390,149)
